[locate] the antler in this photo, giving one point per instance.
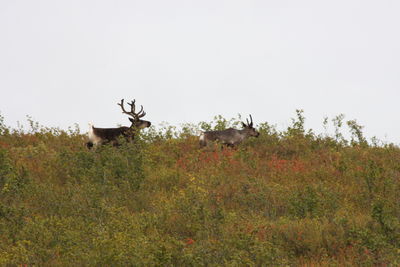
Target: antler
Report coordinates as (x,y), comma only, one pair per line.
(250,124)
(132,113)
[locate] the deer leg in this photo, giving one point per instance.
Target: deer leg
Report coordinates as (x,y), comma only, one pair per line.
(89,145)
(129,139)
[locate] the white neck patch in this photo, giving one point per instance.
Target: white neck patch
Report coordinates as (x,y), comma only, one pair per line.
(92,136)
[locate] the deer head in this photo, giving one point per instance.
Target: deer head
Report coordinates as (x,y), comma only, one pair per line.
(135,118)
(250,130)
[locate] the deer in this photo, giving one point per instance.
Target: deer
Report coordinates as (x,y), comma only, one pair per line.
(229,137)
(98,136)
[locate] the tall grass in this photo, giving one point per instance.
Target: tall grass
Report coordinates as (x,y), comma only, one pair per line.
(287,198)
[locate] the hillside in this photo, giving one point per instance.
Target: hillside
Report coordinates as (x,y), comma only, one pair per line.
(290,198)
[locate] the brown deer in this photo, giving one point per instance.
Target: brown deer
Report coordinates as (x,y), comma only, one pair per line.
(99,136)
(229,137)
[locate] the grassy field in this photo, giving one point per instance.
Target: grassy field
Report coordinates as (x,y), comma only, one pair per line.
(287,198)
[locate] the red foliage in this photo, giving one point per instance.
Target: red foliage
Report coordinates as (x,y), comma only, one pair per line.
(359,168)
(189,241)
(298,165)
(4,145)
(182,163)
(295,165)
(261,234)
(206,158)
(277,164)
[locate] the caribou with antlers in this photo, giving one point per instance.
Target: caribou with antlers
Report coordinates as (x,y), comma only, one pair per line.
(229,137)
(110,135)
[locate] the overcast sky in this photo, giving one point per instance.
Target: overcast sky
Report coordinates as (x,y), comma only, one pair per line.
(66,62)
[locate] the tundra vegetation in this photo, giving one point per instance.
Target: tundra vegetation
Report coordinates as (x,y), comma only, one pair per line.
(287,198)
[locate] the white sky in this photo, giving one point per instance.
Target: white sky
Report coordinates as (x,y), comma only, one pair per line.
(66,62)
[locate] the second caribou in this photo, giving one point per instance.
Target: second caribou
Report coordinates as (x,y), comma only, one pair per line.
(229,137)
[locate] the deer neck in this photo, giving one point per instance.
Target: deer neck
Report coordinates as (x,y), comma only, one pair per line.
(244,132)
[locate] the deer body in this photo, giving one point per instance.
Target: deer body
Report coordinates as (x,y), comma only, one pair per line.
(229,137)
(98,136)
